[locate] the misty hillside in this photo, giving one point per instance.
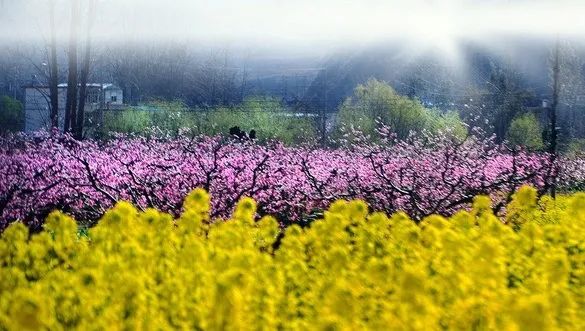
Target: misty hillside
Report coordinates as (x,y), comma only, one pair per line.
(432,78)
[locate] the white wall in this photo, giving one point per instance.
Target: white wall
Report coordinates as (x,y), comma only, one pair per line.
(117,93)
(36,108)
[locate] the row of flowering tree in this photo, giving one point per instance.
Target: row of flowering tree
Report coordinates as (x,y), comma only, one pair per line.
(421,175)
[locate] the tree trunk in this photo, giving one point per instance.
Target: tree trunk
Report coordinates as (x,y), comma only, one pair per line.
(71,104)
(553,115)
(85,72)
(53,69)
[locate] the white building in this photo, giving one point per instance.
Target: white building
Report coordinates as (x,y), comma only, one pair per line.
(37,107)
(37,103)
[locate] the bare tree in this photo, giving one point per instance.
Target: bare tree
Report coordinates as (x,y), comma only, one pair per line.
(570,115)
(85,71)
(53,69)
(553,111)
(71,104)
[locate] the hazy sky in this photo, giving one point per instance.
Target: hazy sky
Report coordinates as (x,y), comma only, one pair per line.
(304,22)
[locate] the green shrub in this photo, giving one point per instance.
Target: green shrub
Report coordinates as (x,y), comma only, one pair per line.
(575,146)
(11,115)
(171,117)
(268,117)
(126,121)
(526,131)
(376,104)
(449,122)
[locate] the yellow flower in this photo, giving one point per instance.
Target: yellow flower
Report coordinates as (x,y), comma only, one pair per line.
(350,270)
(532,313)
(245,210)
(198,200)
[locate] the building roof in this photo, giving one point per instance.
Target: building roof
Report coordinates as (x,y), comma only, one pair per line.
(110,86)
(105,86)
(40,86)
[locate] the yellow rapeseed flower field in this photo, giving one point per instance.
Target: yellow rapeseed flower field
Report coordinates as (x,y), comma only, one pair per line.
(351,270)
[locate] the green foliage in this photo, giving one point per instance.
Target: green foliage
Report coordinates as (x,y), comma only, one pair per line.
(576,147)
(11,115)
(267,116)
(168,117)
(376,103)
(126,121)
(526,131)
(171,116)
(449,122)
